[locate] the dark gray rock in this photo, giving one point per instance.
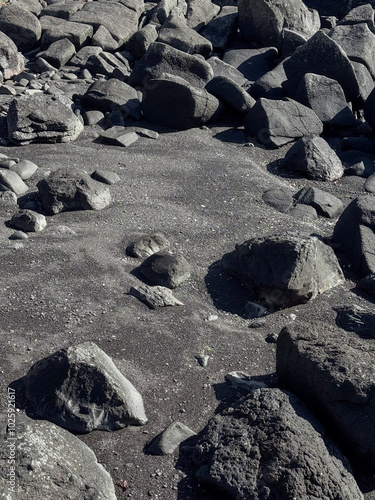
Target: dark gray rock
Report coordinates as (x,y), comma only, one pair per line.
(369,109)
(270,85)
(356,319)
(221,68)
(252,63)
(59,52)
(28,221)
(360,14)
(326,204)
(103,38)
(291,40)
(254,310)
(279,198)
(141,40)
(71,189)
(165,269)
(358,143)
(11,61)
(83,55)
(164,8)
(58,29)
(268,445)
(172,102)
(326,97)
(42,118)
(367,284)
(108,95)
(275,123)
(323,56)
(228,91)
(200,12)
(51,463)
(85,391)
(303,212)
(314,158)
(21,26)
(61,10)
(285,270)
(161,58)
(354,233)
(263,21)
(147,244)
(333,371)
(170,439)
(365,82)
(155,296)
(222,29)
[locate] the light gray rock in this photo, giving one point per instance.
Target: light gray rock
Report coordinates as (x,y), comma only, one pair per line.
(51,463)
(155,296)
(370,184)
(221,68)
(21,25)
(243,381)
(170,439)
(335,377)
(71,189)
(85,391)
(12,181)
(42,118)
(303,212)
(165,269)
(200,12)
(326,204)
(285,270)
(103,38)
(28,221)
(24,168)
(147,244)
(106,176)
(269,445)
(11,61)
(119,136)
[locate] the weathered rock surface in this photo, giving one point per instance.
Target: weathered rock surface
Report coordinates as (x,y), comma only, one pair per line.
(155,296)
(70,189)
(28,221)
(11,61)
(81,389)
(285,270)
(320,364)
(269,445)
(356,319)
(279,198)
(51,463)
(326,204)
(170,439)
(166,269)
(21,26)
(147,244)
(12,181)
(231,93)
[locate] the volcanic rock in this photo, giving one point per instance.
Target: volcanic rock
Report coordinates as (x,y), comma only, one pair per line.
(326,204)
(165,269)
(170,439)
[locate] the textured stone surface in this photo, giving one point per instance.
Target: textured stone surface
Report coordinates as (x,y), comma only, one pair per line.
(170,439)
(166,269)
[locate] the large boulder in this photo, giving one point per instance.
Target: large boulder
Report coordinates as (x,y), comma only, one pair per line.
(275,123)
(161,58)
(71,189)
(263,21)
(11,61)
(354,233)
(22,26)
(231,93)
(81,389)
(200,12)
(333,372)
(49,462)
(222,29)
(172,102)
(57,29)
(42,118)
(268,445)
(285,270)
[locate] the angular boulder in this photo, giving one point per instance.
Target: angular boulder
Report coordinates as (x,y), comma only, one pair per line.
(285,270)
(28,221)
(275,123)
(20,25)
(147,244)
(172,102)
(50,463)
(231,93)
(326,204)
(332,371)
(42,118)
(70,189)
(268,445)
(200,12)
(165,269)
(81,389)
(12,62)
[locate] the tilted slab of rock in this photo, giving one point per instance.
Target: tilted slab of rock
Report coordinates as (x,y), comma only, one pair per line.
(12,181)
(172,102)
(333,371)
(81,389)
(263,21)
(356,319)
(155,296)
(275,123)
(70,189)
(50,463)
(252,63)
(12,62)
(58,29)
(285,270)
(222,29)
(42,118)
(268,445)
(354,233)
(161,58)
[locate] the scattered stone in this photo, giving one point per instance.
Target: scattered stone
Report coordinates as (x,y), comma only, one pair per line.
(28,221)
(279,198)
(147,244)
(11,180)
(145,132)
(51,463)
(334,377)
(71,189)
(170,439)
(155,296)
(356,319)
(314,158)
(18,235)
(92,117)
(272,337)
(269,445)
(85,391)
(254,310)
(106,176)
(285,270)
(305,213)
(165,269)
(326,204)
(202,359)
(119,136)
(24,168)
(60,230)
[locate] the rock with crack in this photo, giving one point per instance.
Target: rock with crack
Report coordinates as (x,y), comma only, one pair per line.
(320,364)
(71,189)
(81,389)
(172,102)
(313,157)
(285,270)
(147,244)
(275,122)
(42,118)
(354,233)
(28,221)
(51,463)
(155,296)
(165,269)
(169,439)
(326,204)
(269,445)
